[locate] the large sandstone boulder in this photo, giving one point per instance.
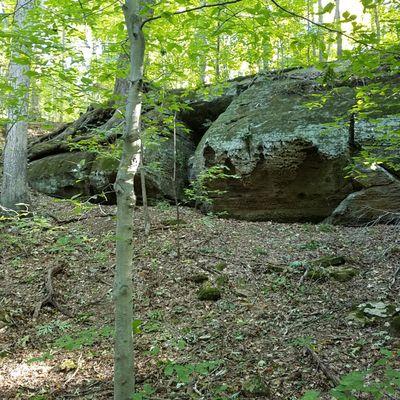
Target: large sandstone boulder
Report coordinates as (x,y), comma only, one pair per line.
(287,148)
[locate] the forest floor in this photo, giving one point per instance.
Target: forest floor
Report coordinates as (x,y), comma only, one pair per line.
(253,342)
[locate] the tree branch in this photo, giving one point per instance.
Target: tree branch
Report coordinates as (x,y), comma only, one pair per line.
(6,15)
(188,10)
(323,26)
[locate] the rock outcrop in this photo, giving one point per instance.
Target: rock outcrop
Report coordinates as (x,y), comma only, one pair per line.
(378,201)
(82,160)
(287,140)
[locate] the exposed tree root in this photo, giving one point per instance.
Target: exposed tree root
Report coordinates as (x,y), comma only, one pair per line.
(49,293)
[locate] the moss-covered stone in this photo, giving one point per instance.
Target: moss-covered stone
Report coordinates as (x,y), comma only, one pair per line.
(329,261)
(198,278)
(220,266)
(377,309)
(64,175)
(270,128)
(209,293)
(256,387)
(222,280)
(173,222)
(340,274)
(343,274)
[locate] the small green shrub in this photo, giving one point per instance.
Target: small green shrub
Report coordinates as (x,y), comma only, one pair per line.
(183,373)
(201,191)
(368,382)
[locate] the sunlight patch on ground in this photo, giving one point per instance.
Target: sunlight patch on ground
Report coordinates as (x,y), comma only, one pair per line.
(14,374)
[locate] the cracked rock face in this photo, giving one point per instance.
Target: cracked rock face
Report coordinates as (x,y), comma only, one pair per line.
(377,202)
(288,149)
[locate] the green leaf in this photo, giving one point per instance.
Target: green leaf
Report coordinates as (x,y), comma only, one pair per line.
(136,326)
(328,8)
(311,395)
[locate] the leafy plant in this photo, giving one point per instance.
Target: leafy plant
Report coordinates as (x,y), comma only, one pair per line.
(369,382)
(145,393)
(201,190)
(183,373)
(44,357)
(84,338)
(43,330)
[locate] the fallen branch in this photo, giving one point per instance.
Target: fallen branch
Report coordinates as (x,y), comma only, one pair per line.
(49,293)
(322,366)
(75,372)
(77,219)
(395,276)
(304,276)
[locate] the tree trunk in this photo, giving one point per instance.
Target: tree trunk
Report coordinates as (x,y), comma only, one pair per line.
(15,186)
(377,22)
(124,379)
(146,214)
(321,21)
(338,25)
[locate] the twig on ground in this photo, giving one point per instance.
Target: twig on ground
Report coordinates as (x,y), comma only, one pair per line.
(50,296)
(395,276)
(75,372)
(322,366)
(77,219)
(304,276)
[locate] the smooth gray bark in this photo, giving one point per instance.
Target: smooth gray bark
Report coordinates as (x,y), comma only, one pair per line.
(320,21)
(339,39)
(377,22)
(124,378)
(14,186)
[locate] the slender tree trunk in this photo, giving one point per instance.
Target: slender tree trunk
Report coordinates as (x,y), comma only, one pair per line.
(146,215)
(202,61)
(175,183)
(339,40)
(218,49)
(377,22)
(35,110)
(15,185)
(321,21)
(308,32)
(124,379)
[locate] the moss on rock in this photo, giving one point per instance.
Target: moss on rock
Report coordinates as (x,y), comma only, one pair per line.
(209,293)
(343,274)
(220,266)
(329,261)
(256,387)
(198,278)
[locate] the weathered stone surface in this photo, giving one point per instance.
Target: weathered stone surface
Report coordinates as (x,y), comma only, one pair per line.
(328,261)
(71,173)
(59,168)
(61,175)
(289,161)
(209,293)
(377,202)
(289,158)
